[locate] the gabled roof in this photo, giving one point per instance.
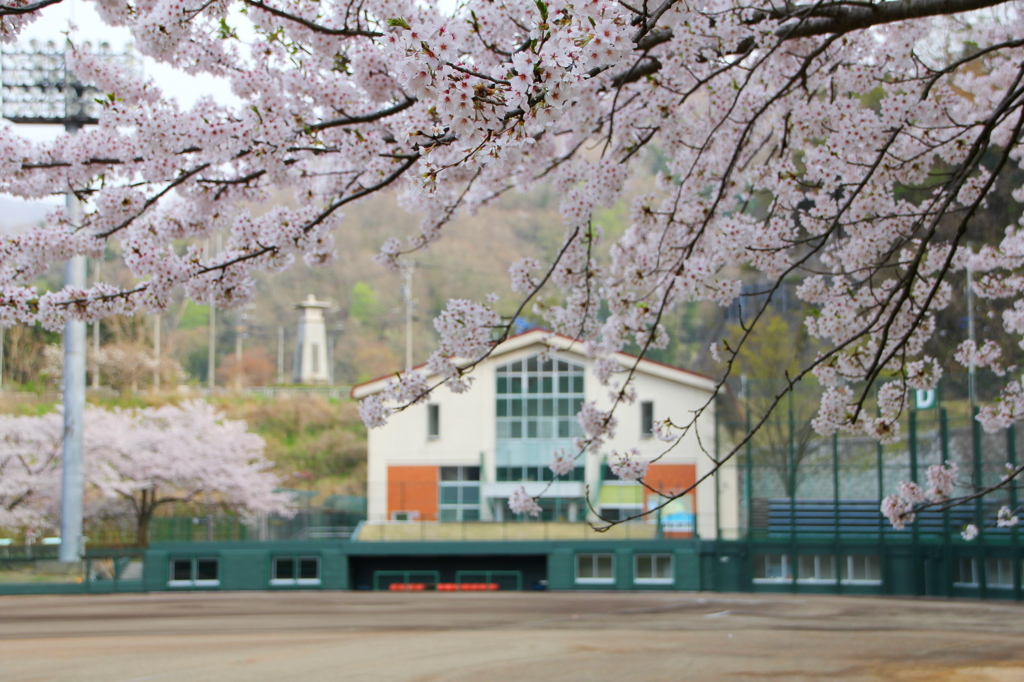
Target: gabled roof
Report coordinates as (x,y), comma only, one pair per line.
(563,344)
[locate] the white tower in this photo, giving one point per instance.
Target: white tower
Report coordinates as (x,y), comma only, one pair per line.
(311,344)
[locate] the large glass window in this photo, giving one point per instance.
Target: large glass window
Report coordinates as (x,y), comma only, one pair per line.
(539,399)
(595,568)
(459,494)
(653,569)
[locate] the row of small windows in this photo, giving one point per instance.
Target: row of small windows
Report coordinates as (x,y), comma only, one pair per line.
(533,364)
(284,571)
(854,568)
(566,385)
(535,473)
(599,568)
(539,407)
(539,428)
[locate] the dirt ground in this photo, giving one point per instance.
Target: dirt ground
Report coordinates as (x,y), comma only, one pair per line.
(520,637)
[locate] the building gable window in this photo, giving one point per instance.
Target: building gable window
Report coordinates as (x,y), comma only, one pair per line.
(647,418)
(433,420)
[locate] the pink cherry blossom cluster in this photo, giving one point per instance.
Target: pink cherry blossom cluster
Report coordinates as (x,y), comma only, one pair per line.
(627,465)
(520,502)
(174,452)
(901,508)
(562,463)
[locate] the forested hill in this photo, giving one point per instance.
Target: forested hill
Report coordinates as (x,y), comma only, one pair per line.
(367,314)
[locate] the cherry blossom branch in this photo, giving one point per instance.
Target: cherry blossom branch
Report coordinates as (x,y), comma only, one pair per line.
(313,26)
(28,8)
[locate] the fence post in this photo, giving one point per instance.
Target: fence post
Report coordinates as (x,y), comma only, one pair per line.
(792,495)
(718,491)
(835,509)
(979,504)
(946,530)
(920,579)
(1011,452)
(750,483)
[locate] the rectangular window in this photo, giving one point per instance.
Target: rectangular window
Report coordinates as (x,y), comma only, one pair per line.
(181,571)
(433,420)
(284,569)
(999,573)
(194,573)
(404,515)
(295,571)
(206,572)
(965,572)
(816,568)
(653,569)
(595,569)
(864,569)
(647,419)
(459,493)
(772,568)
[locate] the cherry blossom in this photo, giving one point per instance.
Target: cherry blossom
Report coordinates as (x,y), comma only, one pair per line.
(627,465)
(135,462)
(562,463)
(450,106)
(520,502)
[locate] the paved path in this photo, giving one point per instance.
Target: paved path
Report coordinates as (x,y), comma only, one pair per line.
(573,636)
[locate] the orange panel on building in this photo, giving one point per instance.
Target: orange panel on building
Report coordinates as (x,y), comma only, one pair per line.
(413,488)
(671,479)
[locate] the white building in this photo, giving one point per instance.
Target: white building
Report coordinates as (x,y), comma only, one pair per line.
(460,456)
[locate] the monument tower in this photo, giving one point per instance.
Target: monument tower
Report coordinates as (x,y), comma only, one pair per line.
(311,344)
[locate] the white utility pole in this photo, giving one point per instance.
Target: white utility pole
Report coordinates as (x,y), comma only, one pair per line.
(156,352)
(280,355)
(97,270)
(239,332)
(970,335)
(211,360)
(408,267)
(73,480)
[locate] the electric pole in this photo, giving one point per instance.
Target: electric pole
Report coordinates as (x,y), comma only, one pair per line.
(408,267)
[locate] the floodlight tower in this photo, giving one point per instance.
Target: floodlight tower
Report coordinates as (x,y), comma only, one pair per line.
(38,88)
